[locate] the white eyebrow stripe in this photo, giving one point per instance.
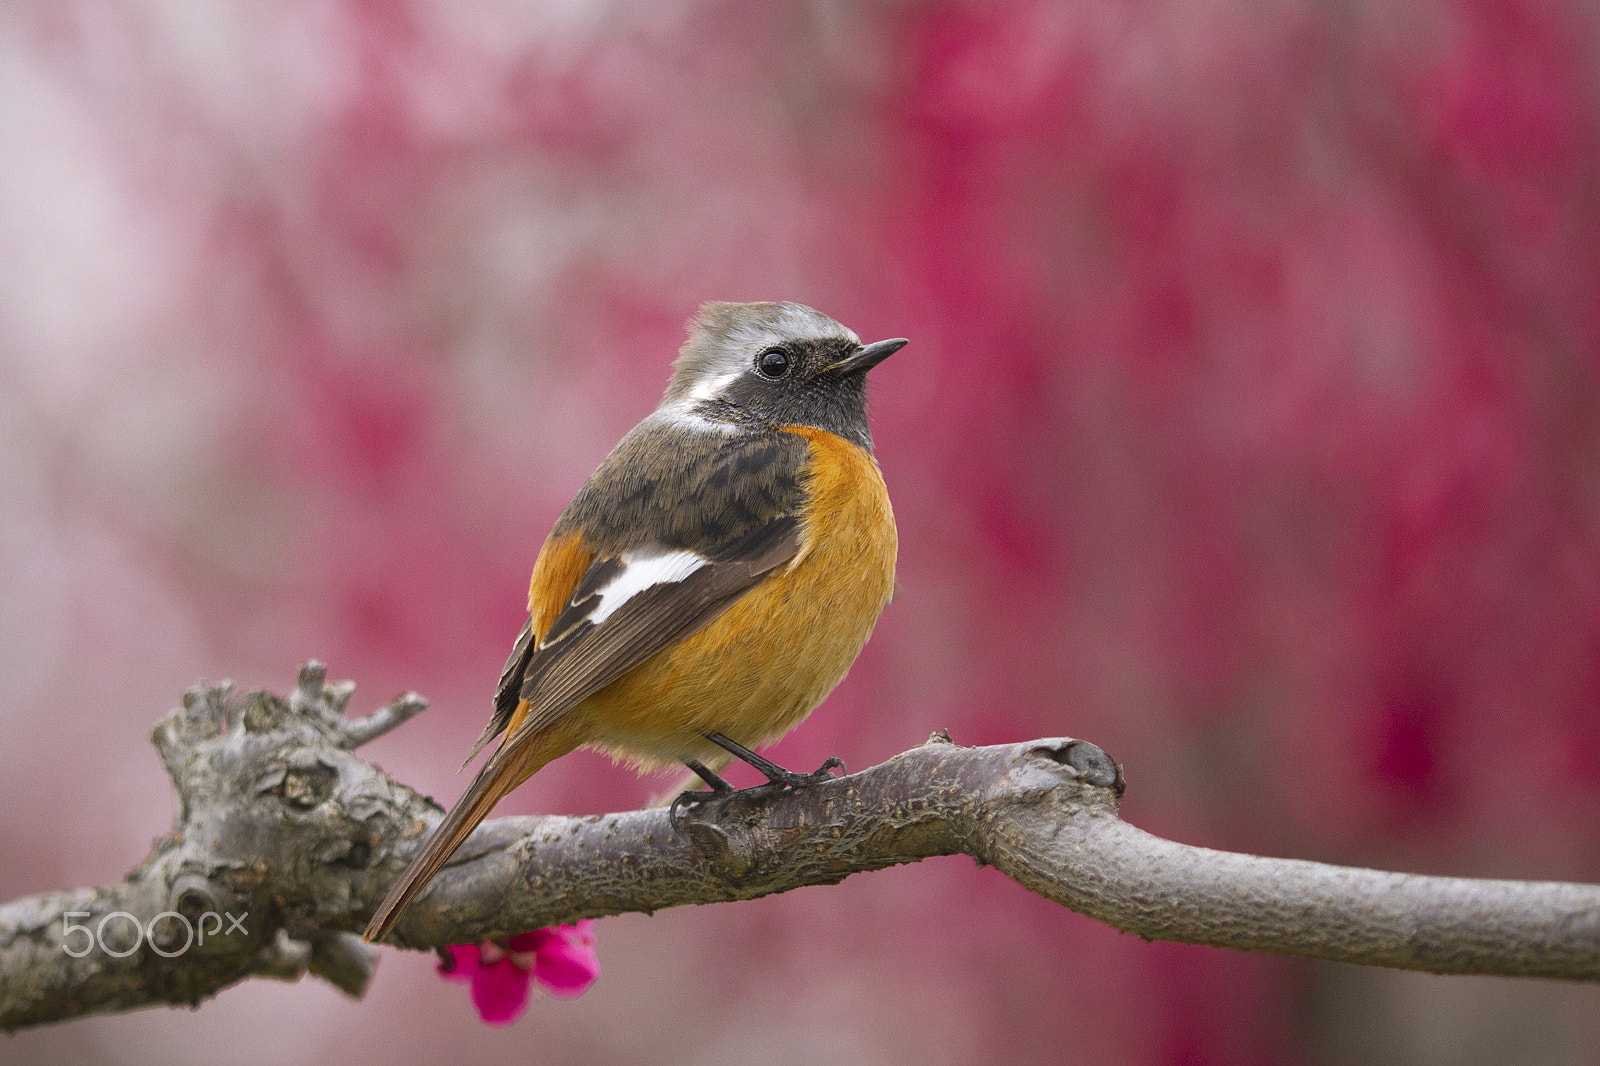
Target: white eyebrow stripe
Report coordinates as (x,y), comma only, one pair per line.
(711,388)
(642,569)
(684,416)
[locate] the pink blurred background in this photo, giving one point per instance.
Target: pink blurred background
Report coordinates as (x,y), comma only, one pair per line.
(1250,428)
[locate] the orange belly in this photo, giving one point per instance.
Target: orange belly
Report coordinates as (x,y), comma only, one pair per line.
(757,670)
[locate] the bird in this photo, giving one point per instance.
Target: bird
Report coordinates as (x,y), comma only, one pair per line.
(713,580)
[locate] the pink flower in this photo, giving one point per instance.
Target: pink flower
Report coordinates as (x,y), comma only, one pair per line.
(562,959)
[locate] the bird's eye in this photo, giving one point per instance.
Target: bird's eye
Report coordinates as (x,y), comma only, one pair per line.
(773,363)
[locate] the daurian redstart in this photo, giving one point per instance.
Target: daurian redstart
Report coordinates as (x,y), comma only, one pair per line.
(711,582)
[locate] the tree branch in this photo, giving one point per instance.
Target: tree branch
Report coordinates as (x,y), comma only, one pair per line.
(286,842)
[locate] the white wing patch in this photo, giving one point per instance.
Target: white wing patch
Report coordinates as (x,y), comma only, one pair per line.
(642,569)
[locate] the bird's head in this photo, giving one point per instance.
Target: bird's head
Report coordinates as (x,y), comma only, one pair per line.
(774,364)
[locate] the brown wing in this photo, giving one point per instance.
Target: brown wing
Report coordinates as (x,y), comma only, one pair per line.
(563,561)
(732,502)
(582,655)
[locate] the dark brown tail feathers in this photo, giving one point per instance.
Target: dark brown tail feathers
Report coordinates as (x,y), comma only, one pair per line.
(505,770)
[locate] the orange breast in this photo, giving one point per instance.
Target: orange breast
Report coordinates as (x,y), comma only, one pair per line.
(764,664)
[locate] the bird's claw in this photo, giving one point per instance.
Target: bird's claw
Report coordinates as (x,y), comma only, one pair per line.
(691,798)
(777,782)
(790,779)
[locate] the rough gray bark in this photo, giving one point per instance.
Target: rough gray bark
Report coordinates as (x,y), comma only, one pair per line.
(284,829)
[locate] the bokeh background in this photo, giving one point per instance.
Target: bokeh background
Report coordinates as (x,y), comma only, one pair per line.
(1250,428)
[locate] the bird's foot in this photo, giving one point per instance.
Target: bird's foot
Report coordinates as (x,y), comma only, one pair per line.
(778,779)
(775,774)
(688,800)
(716,788)
(782,779)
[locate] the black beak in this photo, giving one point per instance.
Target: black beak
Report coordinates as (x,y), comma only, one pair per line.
(868,356)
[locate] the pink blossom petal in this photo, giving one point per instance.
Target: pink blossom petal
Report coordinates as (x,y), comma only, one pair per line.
(566,964)
(463,965)
(500,992)
(562,958)
(532,940)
